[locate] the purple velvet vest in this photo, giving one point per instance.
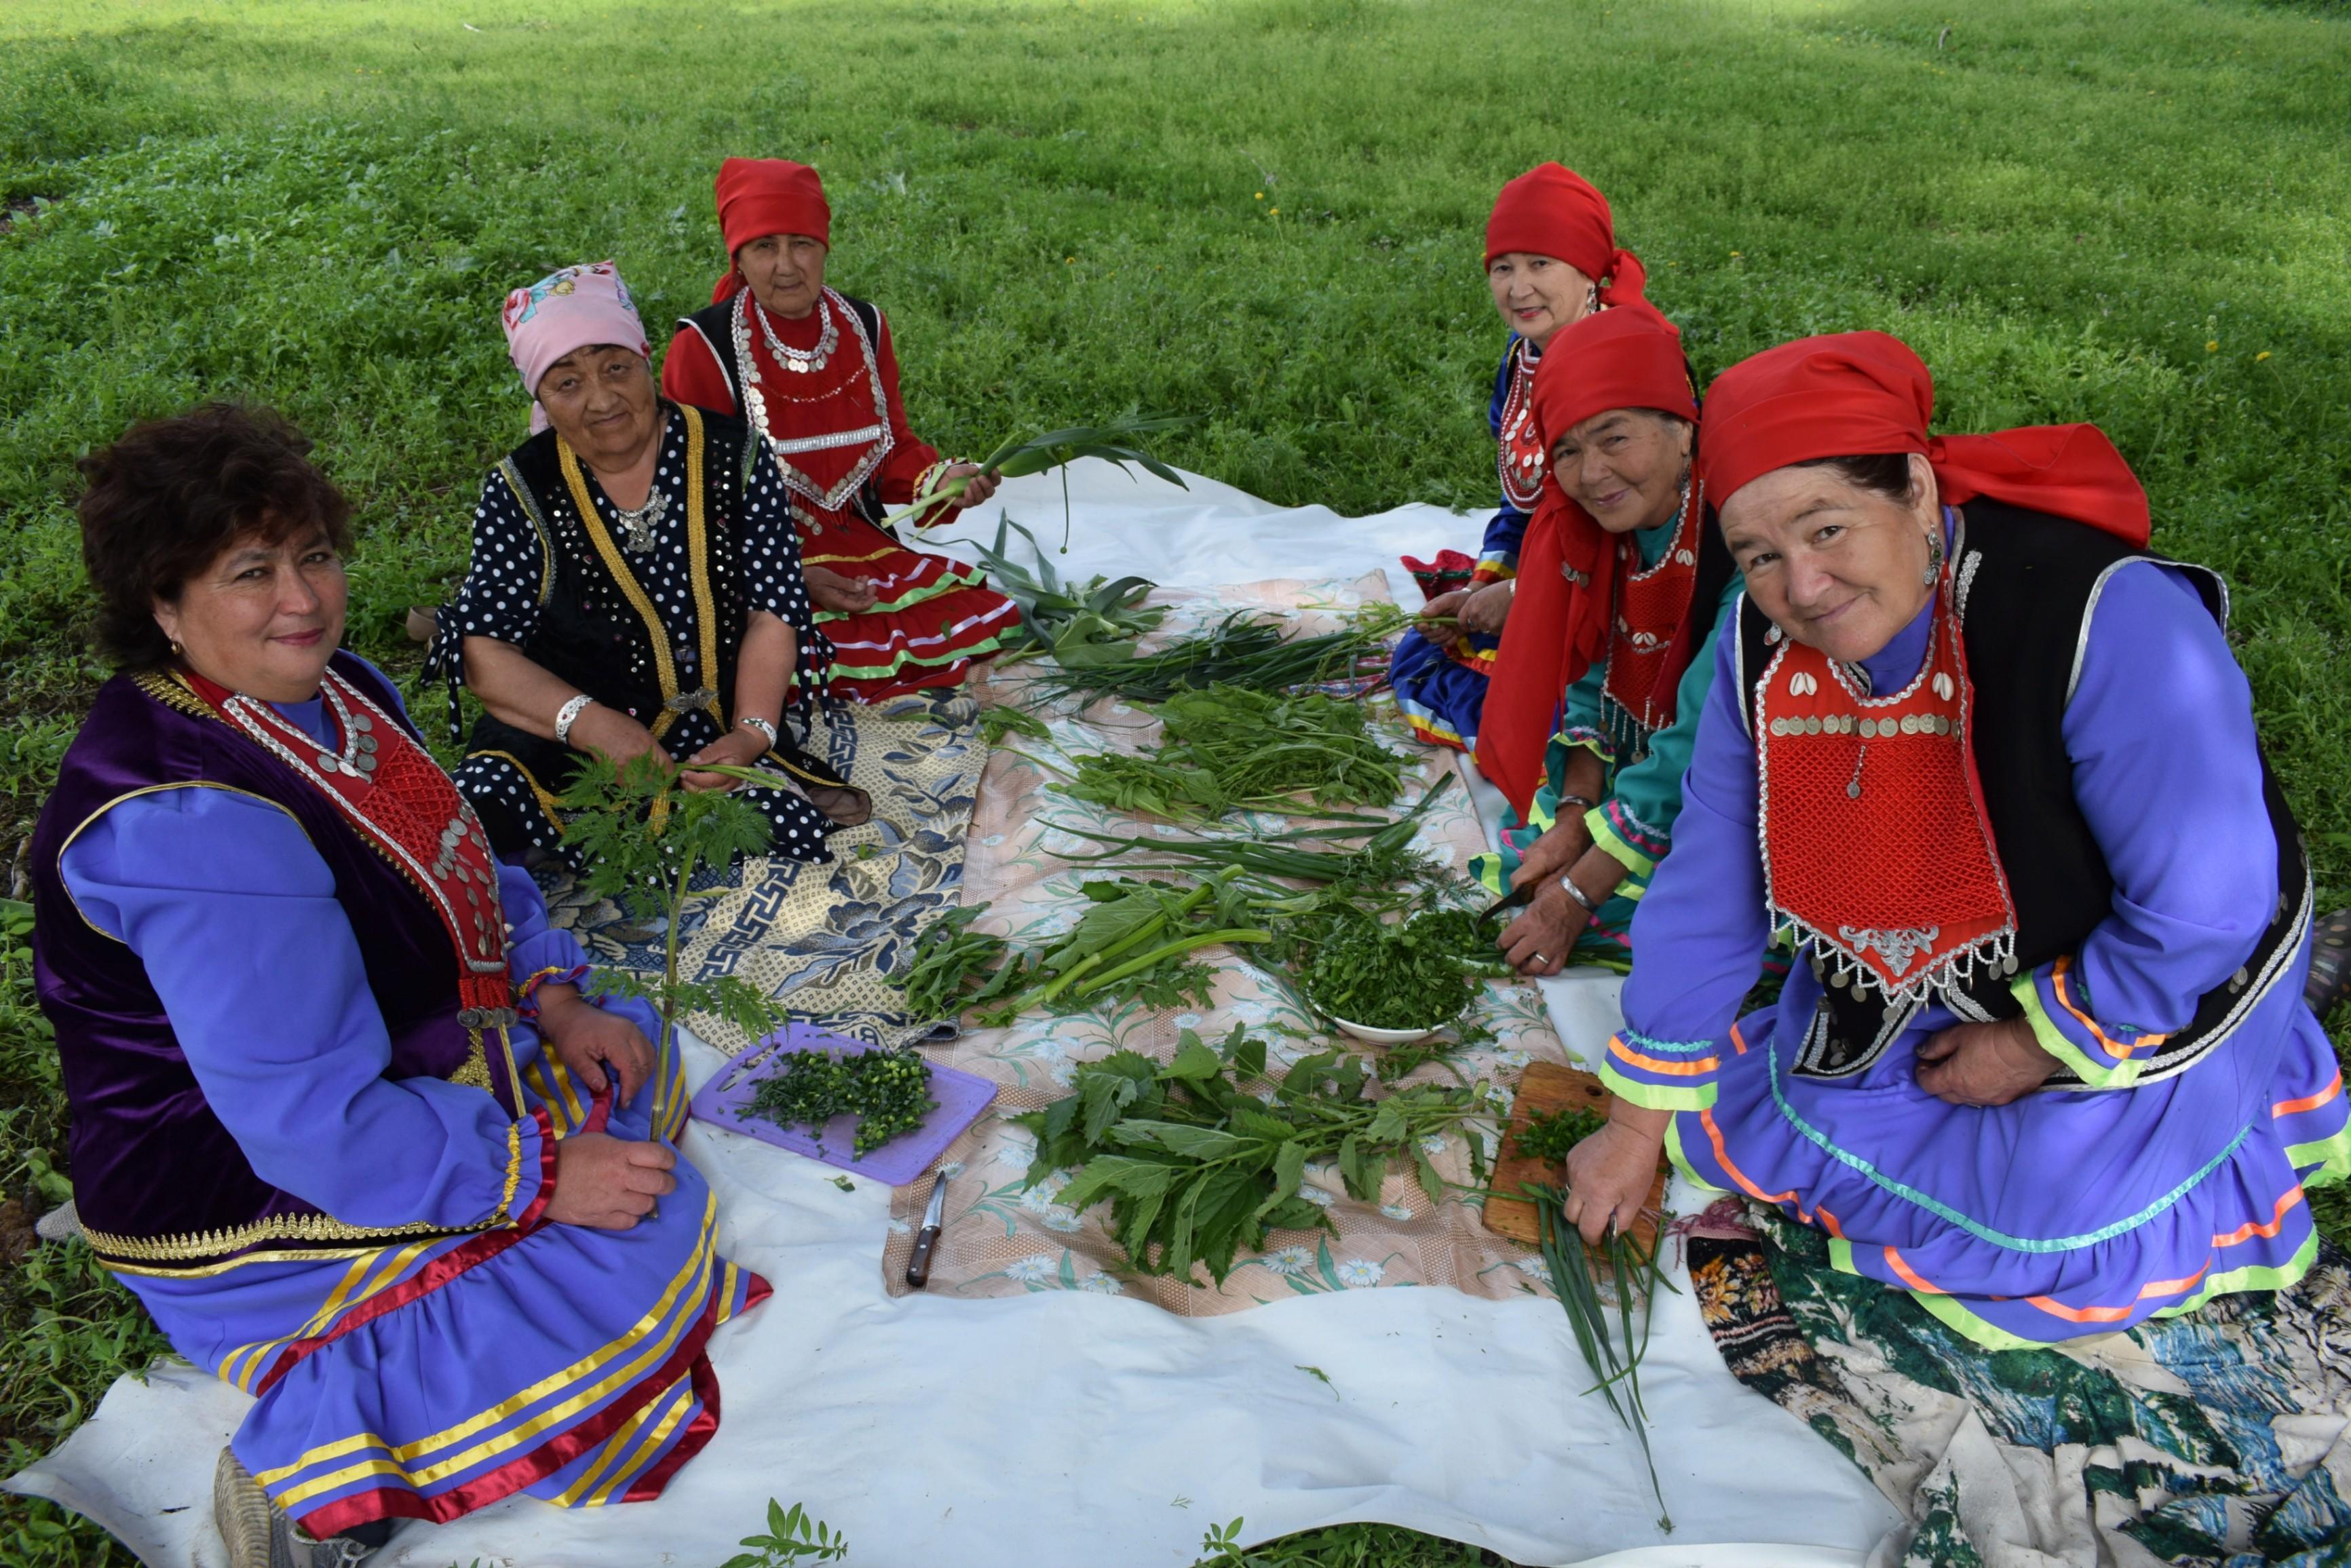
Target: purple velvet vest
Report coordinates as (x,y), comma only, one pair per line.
(158,1183)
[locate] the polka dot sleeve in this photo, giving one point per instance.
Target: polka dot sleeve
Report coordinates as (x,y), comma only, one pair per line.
(508,579)
(771,561)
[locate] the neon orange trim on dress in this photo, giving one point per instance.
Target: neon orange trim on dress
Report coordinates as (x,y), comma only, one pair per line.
(2310,1102)
(2119,1053)
(1737,1044)
(1909,1276)
(1722,1156)
(1698,1069)
(2253,1227)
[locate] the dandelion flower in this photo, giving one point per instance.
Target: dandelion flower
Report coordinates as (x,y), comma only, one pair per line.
(1273,212)
(2260,357)
(1260,195)
(2213,347)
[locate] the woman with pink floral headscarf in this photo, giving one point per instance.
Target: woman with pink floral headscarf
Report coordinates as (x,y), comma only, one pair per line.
(635,587)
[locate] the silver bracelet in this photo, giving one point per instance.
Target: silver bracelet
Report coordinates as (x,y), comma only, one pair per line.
(1586,802)
(751,721)
(1576,893)
(568,715)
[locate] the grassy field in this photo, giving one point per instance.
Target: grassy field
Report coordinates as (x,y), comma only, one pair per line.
(1262,213)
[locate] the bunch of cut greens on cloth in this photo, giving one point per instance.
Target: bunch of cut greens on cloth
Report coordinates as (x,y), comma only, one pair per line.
(1229,749)
(1094,623)
(889,1093)
(1133,941)
(1117,441)
(1197,1169)
(1031,852)
(1243,649)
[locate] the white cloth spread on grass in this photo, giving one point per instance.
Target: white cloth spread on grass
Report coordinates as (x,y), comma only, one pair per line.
(1070,1430)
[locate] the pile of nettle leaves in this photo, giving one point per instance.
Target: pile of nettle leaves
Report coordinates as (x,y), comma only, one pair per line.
(1224,749)
(1197,1169)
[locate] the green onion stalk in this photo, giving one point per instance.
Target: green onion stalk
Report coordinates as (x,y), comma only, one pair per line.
(1017,457)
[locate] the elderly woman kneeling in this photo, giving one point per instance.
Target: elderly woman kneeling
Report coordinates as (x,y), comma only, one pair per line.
(342,1117)
(635,587)
(1992,769)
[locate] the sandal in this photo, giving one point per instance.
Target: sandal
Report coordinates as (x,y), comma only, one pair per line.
(257,1535)
(2330,964)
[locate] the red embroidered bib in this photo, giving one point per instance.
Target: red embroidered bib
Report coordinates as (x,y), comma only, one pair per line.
(1521,456)
(1649,607)
(392,792)
(828,426)
(1877,847)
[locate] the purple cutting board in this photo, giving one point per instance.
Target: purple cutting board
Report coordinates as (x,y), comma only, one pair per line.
(961,1097)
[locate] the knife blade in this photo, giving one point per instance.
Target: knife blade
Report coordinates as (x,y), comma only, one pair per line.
(1516,895)
(935,1213)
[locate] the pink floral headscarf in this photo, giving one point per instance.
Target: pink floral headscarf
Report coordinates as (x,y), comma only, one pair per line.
(565,311)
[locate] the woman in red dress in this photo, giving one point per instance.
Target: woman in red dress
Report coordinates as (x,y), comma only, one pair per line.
(813,371)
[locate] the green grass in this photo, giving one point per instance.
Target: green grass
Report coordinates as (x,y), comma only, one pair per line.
(1263,214)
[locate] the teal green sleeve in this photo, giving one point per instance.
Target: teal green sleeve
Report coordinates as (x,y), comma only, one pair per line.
(1635,823)
(1579,714)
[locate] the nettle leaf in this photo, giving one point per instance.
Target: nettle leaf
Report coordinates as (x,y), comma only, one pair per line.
(1194,1060)
(1194,1142)
(1430,1182)
(1387,1123)
(1289,1171)
(1104,1096)
(1297,1214)
(1120,1173)
(1249,1121)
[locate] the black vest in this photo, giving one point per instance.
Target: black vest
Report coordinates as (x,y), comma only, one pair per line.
(587,632)
(714,325)
(2025,587)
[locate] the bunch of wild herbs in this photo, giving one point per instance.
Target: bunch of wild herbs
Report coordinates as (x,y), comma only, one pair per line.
(1549,1135)
(1244,649)
(642,835)
(1117,441)
(1197,1169)
(1090,623)
(1226,748)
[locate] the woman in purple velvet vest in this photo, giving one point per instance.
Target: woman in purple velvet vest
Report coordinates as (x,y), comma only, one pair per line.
(326,1057)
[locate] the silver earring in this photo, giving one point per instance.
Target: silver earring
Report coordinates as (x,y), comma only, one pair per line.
(1934,559)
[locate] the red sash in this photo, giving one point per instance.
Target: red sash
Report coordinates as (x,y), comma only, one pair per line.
(1877,846)
(389,788)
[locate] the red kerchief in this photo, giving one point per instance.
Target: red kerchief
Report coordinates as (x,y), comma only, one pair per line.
(1550,210)
(760,196)
(1569,566)
(1854,393)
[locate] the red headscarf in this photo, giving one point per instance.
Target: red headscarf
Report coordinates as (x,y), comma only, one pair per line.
(760,196)
(1630,356)
(1856,393)
(1550,210)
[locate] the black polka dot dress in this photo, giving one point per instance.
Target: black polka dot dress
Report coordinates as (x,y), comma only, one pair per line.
(631,612)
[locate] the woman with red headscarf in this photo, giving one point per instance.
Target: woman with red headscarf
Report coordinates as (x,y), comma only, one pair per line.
(814,372)
(1990,768)
(1590,714)
(1552,259)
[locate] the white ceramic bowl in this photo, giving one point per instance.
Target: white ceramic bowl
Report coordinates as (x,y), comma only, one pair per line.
(1370,1036)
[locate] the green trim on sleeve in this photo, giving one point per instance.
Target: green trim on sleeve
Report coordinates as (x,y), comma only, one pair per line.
(1681,1161)
(1605,837)
(1655,1096)
(2051,1039)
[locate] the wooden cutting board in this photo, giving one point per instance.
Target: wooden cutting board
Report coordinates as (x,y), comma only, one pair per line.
(1546,1086)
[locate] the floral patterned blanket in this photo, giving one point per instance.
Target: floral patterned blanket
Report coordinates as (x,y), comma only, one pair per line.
(1003,1237)
(2216,1440)
(820,938)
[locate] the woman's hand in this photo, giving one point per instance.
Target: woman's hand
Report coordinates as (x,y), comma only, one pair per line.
(1609,1174)
(1485,610)
(1444,605)
(841,595)
(607,1182)
(738,747)
(1983,1063)
(979,489)
(1539,941)
(585,1038)
(613,735)
(1560,846)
